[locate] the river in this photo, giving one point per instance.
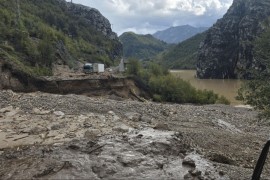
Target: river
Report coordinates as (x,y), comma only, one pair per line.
(226,87)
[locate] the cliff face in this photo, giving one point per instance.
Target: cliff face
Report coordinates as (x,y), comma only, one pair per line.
(94,18)
(227,51)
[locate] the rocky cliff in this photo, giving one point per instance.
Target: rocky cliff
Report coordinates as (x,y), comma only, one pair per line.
(94,18)
(227,51)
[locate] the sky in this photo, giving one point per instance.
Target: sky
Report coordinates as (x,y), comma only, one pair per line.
(149,16)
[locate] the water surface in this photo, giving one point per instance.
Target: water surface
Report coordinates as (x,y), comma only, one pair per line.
(225,87)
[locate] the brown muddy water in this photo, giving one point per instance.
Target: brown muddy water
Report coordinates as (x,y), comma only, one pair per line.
(225,87)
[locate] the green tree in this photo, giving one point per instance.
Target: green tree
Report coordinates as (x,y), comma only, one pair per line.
(256,92)
(133,67)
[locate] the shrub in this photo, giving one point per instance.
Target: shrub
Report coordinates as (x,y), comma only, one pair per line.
(223,100)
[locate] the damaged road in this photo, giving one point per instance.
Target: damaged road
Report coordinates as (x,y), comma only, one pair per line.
(77,137)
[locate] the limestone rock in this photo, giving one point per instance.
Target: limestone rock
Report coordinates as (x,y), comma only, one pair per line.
(227,51)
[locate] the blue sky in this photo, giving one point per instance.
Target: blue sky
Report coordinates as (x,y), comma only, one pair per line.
(149,16)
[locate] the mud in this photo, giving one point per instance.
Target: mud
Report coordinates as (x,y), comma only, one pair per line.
(50,136)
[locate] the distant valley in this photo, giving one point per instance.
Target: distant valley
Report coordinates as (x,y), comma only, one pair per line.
(182,55)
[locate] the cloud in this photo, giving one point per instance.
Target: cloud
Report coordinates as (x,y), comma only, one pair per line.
(148,16)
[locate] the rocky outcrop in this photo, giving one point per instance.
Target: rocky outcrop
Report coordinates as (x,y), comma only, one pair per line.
(227,51)
(94,18)
(97,21)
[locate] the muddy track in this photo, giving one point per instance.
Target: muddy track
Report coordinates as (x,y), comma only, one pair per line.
(72,136)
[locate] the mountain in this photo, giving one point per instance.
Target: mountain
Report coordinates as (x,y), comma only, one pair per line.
(228,50)
(178,34)
(36,34)
(141,46)
(184,54)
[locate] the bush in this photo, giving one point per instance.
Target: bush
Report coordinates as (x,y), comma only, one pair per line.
(223,100)
(133,67)
(256,91)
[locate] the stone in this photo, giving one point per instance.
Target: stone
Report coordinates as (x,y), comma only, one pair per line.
(189,162)
(6,109)
(121,128)
(92,134)
(59,113)
(146,119)
(40,112)
(133,116)
(161,126)
(37,130)
(58,126)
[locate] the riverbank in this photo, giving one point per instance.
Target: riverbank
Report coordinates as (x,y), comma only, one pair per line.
(226,87)
(71,136)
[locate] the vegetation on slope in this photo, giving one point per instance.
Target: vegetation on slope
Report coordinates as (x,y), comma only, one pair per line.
(256,92)
(37,33)
(183,55)
(141,46)
(165,87)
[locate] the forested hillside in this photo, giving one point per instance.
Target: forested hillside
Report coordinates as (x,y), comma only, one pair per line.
(141,46)
(35,34)
(183,55)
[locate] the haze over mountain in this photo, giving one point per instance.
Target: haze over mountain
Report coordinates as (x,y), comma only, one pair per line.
(148,17)
(141,46)
(178,34)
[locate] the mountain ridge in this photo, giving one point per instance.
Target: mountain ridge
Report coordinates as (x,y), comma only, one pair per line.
(178,34)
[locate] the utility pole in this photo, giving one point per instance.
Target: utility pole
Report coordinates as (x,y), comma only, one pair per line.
(71,1)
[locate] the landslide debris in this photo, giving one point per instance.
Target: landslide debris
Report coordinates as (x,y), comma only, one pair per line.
(77,137)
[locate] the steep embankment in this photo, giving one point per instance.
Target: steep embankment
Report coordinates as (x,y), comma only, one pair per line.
(13,78)
(227,51)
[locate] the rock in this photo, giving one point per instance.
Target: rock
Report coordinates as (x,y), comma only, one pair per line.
(195,172)
(92,134)
(162,126)
(121,128)
(145,118)
(221,173)
(221,158)
(188,176)
(133,116)
(6,109)
(87,124)
(40,112)
(58,126)
(189,162)
(227,51)
(59,113)
(37,130)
